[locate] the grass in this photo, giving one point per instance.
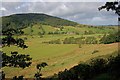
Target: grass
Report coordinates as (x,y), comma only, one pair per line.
(58,56)
(69,29)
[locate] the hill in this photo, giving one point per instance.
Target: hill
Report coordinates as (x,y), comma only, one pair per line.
(35,24)
(29,19)
(60,43)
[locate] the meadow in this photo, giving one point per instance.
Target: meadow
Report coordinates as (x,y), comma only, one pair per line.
(57,56)
(60,43)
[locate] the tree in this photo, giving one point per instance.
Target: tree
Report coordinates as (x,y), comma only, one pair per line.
(15,59)
(98,65)
(111,38)
(114,6)
(31,29)
(67,75)
(10,40)
(18,78)
(61,28)
(43,31)
(90,40)
(40,34)
(80,46)
(114,66)
(39,67)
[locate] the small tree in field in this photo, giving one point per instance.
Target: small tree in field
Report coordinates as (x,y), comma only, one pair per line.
(40,34)
(39,67)
(80,46)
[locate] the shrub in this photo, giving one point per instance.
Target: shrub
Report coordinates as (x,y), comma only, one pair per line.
(111,38)
(95,51)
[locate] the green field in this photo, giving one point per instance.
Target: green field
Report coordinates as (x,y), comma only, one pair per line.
(80,29)
(61,43)
(57,56)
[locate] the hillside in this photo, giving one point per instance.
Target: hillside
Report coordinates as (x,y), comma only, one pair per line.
(62,44)
(25,20)
(78,30)
(43,23)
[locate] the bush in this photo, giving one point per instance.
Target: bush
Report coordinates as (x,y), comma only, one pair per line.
(111,38)
(114,66)
(95,51)
(94,70)
(25,38)
(91,40)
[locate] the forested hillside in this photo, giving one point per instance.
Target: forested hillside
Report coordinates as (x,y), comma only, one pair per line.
(25,20)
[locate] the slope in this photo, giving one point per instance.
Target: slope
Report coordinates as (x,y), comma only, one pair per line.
(29,19)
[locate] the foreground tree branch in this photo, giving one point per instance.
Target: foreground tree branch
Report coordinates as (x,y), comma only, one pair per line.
(114,6)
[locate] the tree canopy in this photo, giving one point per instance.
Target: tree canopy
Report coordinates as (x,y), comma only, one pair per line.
(114,6)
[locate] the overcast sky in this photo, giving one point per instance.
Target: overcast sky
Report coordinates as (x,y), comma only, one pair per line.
(81,12)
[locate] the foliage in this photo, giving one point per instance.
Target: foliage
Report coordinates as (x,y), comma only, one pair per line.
(57,32)
(20,21)
(88,32)
(95,68)
(10,40)
(41,33)
(91,40)
(66,75)
(72,40)
(11,31)
(114,66)
(39,67)
(83,71)
(111,38)
(16,60)
(80,40)
(114,6)
(98,66)
(18,78)
(54,41)
(3,75)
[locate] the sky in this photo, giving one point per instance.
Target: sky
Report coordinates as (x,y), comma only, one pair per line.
(83,12)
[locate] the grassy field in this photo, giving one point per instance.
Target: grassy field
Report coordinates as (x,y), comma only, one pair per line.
(57,56)
(69,29)
(40,30)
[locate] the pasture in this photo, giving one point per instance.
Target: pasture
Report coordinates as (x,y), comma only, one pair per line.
(57,56)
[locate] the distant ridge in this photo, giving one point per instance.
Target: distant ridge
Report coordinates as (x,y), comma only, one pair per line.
(27,19)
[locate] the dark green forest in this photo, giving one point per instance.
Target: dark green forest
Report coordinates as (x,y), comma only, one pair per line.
(20,21)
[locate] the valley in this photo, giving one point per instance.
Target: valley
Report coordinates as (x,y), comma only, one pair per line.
(60,46)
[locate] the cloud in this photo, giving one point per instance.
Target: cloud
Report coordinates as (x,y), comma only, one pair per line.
(97,19)
(81,12)
(2,9)
(18,7)
(21,6)
(56,0)
(11,0)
